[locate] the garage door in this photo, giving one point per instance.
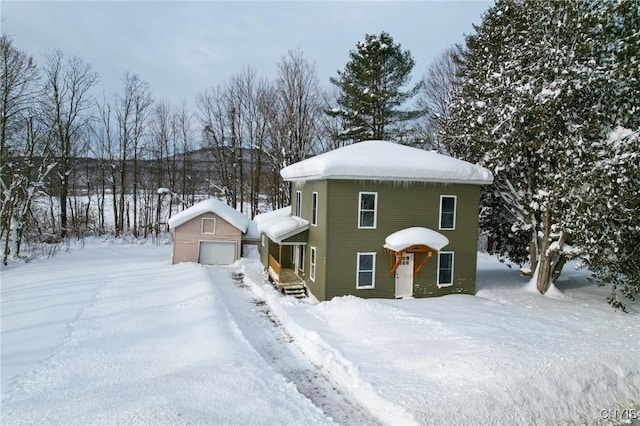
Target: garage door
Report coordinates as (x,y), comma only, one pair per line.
(217,252)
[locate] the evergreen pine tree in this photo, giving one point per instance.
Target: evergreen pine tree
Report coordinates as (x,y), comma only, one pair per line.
(543,89)
(607,216)
(371,90)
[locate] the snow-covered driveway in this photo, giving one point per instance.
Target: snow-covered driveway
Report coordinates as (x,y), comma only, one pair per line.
(116,335)
(265,333)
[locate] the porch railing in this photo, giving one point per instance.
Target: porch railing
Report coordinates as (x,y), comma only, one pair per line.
(275,268)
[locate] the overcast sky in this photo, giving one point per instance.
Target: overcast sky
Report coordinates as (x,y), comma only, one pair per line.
(183,48)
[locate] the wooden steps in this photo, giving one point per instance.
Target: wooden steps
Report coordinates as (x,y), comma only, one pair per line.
(297,290)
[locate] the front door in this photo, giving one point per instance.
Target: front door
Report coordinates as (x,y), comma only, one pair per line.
(404,277)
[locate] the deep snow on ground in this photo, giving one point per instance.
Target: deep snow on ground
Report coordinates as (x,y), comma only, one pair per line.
(505,356)
(114,334)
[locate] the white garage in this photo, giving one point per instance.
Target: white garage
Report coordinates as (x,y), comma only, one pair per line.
(217,252)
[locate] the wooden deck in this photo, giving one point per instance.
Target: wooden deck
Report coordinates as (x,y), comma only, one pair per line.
(284,277)
(286,280)
(288,277)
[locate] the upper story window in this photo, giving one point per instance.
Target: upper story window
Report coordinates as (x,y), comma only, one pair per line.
(445,268)
(298,211)
(208,225)
(447,212)
(367,210)
(314,208)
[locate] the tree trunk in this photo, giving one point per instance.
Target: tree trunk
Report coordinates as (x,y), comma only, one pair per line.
(135,189)
(557,268)
(63,206)
(543,275)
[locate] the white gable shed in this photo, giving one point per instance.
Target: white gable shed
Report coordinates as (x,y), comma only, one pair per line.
(209,232)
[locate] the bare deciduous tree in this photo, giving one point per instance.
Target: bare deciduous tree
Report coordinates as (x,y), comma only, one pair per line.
(66,111)
(235,128)
(132,109)
(439,83)
(18,85)
(104,150)
(295,121)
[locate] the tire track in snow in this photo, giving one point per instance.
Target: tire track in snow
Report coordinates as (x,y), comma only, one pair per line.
(268,337)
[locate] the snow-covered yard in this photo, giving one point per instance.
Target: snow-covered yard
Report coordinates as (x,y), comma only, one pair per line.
(113,334)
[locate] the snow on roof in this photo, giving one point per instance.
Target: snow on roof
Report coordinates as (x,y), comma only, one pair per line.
(280,225)
(381,160)
(252,232)
(406,238)
(231,215)
(264,217)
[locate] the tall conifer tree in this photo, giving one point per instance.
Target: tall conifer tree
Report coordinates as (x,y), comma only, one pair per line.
(371,94)
(549,102)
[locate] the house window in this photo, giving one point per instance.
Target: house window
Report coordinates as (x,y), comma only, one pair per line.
(298,203)
(208,225)
(447,212)
(301,258)
(445,269)
(366,270)
(312,265)
(314,208)
(367,207)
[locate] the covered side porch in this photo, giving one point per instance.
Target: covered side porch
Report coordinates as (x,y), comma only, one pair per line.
(283,241)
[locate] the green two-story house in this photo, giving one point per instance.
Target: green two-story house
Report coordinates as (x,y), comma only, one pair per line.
(376,219)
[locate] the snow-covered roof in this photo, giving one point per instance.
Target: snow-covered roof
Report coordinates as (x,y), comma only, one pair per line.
(252,232)
(231,215)
(280,225)
(406,238)
(381,160)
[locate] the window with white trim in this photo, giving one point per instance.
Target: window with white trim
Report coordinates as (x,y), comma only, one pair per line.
(447,212)
(366,275)
(312,264)
(301,257)
(367,210)
(445,269)
(298,211)
(314,208)
(208,225)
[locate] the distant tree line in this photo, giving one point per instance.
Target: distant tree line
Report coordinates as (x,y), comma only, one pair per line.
(72,164)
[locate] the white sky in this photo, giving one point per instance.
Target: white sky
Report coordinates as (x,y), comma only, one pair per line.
(183,48)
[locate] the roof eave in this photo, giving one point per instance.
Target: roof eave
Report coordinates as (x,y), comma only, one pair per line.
(386,178)
(280,238)
(178,223)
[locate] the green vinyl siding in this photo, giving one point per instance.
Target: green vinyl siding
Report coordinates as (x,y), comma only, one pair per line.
(400,205)
(337,239)
(316,235)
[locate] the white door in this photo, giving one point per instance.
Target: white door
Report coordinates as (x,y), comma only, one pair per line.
(217,252)
(404,276)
